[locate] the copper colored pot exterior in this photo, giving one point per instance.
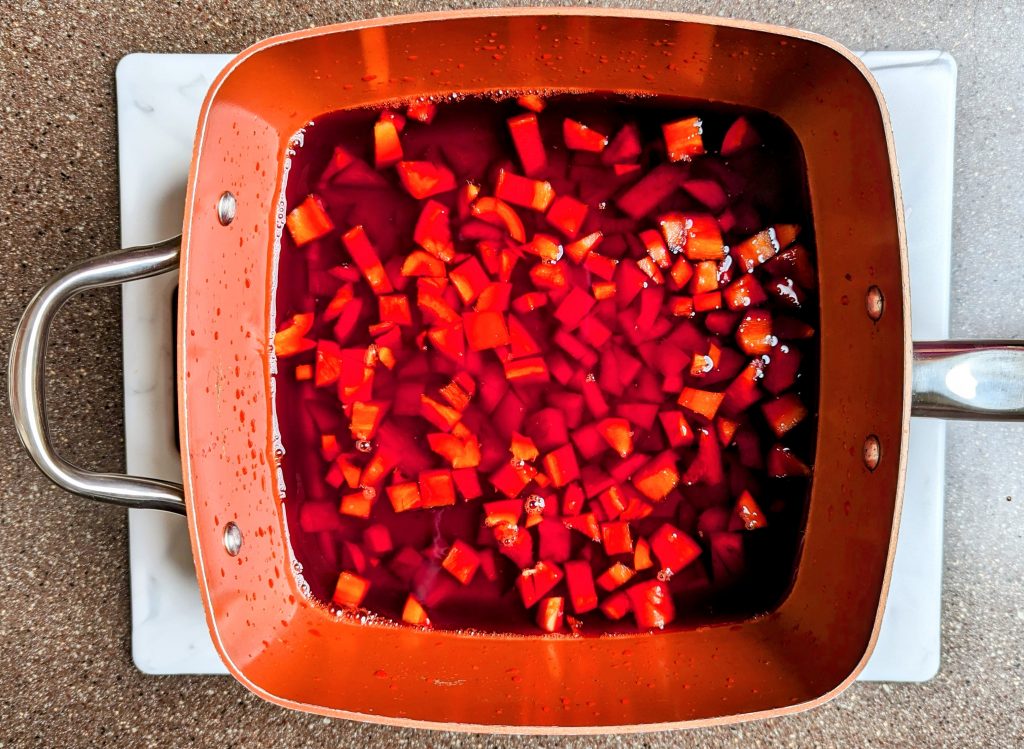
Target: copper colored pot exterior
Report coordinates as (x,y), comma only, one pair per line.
(290,651)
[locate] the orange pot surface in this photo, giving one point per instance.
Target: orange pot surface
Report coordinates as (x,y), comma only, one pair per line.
(288,649)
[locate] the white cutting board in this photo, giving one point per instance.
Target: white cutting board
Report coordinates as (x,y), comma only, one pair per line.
(158,101)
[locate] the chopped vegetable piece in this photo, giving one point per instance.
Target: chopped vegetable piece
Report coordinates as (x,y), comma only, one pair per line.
(413,613)
(740,136)
(754,334)
(617,538)
(784,413)
(536,582)
(529,145)
(436,488)
(683,138)
(523,191)
(366,258)
(291,338)
(701,402)
(673,549)
(651,603)
(461,561)
(615,576)
(579,137)
(751,252)
(485,330)
(658,477)
(308,221)
(422,179)
(350,590)
(551,613)
(567,215)
(580,581)
(500,213)
(387,148)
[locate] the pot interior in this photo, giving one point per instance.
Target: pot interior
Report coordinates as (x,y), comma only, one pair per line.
(288,649)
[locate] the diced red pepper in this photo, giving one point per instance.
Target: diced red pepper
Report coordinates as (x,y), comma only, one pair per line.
(422,110)
(387,148)
(759,248)
(413,613)
(673,548)
(485,330)
(365,419)
(304,372)
(618,433)
(579,137)
(377,539)
(544,246)
(740,136)
(356,504)
(530,302)
(783,368)
(681,306)
(461,561)
(617,538)
(405,496)
(308,221)
(469,279)
(651,270)
(366,258)
(433,232)
(578,250)
(350,590)
(561,467)
(586,524)
(615,576)
(291,338)
(341,159)
(703,402)
(656,248)
(616,606)
(394,308)
(642,555)
(467,481)
(651,603)
(549,275)
(551,613)
(683,138)
(422,179)
(580,582)
(746,291)
(419,263)
(529,145)
(658,477)
(536,582)
(436,488)
(567,215)
(784,413)
(500,213)
(725,428)
(706,467)
(754,334)
(703,238)
(533,102)
(750,514)
(523,191)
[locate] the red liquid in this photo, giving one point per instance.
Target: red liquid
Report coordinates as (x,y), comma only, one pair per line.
(747,572)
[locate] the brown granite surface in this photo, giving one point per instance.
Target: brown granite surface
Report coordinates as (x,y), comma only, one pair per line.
(66,675)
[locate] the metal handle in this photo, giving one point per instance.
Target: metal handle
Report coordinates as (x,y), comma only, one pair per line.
(28,366)
(979,380)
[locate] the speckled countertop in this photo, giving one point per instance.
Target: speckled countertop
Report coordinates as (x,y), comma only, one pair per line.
(66,676)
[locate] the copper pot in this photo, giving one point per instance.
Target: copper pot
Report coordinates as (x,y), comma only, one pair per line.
(288,650)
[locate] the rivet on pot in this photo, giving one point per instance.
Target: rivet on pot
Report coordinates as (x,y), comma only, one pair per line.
(872,452)
(232,539)
(226,208)
(875,303)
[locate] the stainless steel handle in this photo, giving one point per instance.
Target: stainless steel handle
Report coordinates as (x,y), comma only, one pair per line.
(979,380)
(27,378)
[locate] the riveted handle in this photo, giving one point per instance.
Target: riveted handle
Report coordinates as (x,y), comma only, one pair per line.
(27,378)
(978,380)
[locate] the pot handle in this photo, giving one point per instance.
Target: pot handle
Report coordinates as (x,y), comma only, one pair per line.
(978,380)
(28,366)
